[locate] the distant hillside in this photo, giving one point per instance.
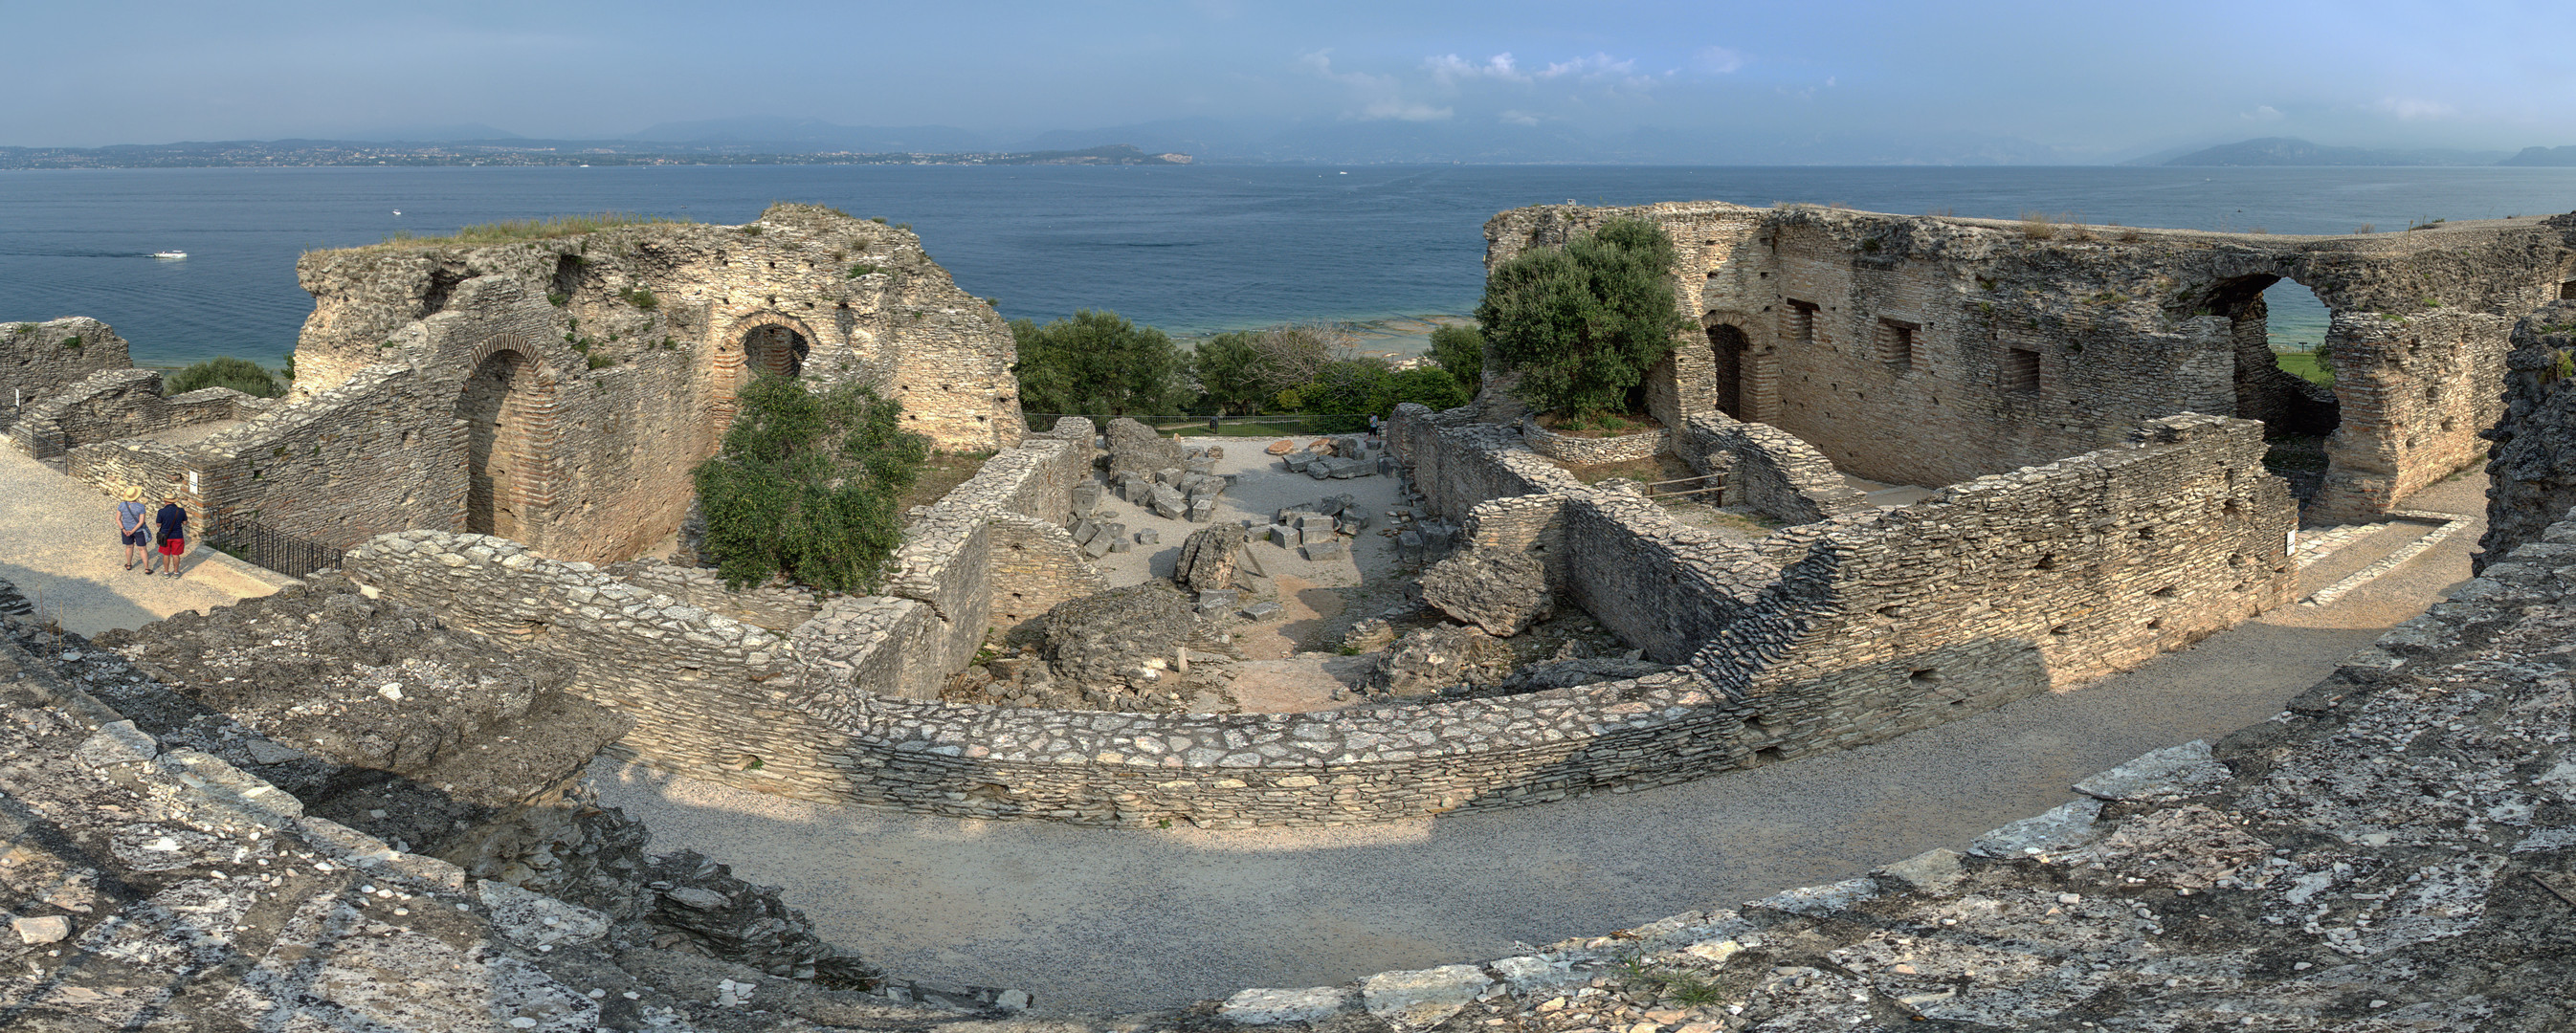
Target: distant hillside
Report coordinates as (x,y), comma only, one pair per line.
(302,153)
(2549,157)
(2282,150)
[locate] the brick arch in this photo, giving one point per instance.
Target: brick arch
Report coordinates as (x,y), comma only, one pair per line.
(732,368)
(1743,378)
(511,463)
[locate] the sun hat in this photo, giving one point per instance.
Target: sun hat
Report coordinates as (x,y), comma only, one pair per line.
(133,493)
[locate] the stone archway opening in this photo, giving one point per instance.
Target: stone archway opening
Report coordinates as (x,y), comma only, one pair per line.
(493,409)
(2284,373)
(775,350)
(1728,347)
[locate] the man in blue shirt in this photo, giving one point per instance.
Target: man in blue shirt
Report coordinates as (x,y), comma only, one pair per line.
(131,529)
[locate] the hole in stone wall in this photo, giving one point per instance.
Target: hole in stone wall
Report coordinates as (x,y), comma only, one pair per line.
(2020,372)
(1727,346)
(2234,508)
(442,283)
(2047,562)
(1802,321)
(1924,678)
(2061,629)
(2156,624)
(1769,755)
(1896,343)
(2163,593)
(567,276)
(2567,291)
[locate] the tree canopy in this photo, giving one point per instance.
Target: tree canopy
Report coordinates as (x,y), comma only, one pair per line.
(1096,364)
(806,485)
(1583,323)
(1460,349)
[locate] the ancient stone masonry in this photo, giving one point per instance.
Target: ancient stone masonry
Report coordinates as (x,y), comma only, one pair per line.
(121,403)
(559,391)
(2390,853)
(41,359)
(1929,350)
(2532,476)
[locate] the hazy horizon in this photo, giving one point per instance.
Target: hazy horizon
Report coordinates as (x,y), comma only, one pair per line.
(1838,82)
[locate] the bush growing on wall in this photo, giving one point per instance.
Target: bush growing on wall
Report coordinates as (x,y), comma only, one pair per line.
(806,485)
(241,375)
(1581,324)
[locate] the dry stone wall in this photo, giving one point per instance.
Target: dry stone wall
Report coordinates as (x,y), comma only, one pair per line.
(2531,478)
(119,403)
(38,360)
(1929,350)
(1768,470)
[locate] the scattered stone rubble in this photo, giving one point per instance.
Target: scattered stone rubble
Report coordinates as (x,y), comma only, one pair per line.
(1500,590)
(2394,851)
(149,881)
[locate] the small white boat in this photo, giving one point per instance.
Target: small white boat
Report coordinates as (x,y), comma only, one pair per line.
(169,254)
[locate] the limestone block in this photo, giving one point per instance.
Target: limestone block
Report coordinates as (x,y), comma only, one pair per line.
(1168,503)
(2061,828)
(1098,546)
(1298,462)
(1202,510)
(1331,505)
(1086,496)
(1499,590)
(1259,611)
(1318,534)
(1355,517)
(1320,446)
(1168,476)
(48,929)
(2174,771)
(1325,550)
(532,919)
(1210,560)
(1408,546)
(117,743)
(1084,531)
(1281,535)
(1423,997)
(1121,545)
(1281,447)
(1149,536)
(1274,1007)
(1930,871)
(1433,659)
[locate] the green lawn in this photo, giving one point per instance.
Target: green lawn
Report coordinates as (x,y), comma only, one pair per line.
(2305,365)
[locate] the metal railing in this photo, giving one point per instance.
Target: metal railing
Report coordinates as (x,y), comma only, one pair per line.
(260,544)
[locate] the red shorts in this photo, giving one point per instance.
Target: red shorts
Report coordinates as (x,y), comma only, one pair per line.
(173,546)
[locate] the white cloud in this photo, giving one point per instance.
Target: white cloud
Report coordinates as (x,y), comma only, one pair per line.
(2265,113)
(1718,60)
(1591,67)
(1448,68)
(1519,118)
(2407,109)
(1377,96)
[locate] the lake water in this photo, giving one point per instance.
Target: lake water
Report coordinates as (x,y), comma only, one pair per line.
(1192,249)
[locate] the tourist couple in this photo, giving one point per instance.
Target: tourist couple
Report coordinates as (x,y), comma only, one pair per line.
(131,529)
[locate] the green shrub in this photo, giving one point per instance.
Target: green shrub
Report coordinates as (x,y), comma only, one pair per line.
(1096,364)
(807,485)
(641,297)
(864,269)
(1581,324)
(241,375)
(1460,349)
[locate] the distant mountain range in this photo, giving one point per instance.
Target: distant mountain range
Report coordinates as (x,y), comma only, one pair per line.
(807,141)
(2282,150)
(302,153)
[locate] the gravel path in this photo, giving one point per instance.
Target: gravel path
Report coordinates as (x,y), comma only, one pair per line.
(58,545)
(1100,919)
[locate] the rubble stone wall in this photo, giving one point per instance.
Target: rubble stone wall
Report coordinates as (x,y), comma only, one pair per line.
(2531,480)
(1768,470)
(1583,451)
(39,360)
(1926,351)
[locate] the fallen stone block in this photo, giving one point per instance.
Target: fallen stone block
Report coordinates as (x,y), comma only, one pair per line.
(1298,462)
(1280,535)
(1318,534)
(1386,465)
(1274,1007)
(1408,546)
(1168,503)
(1083,532)
(1149,536)
(1097,547)
(1325,550)
(1281,447)
(1424,997)
(1258,611)
(1930,871)
(1202,510)
(2170,772)
(2060,828)
(47,929)
(1330,506)
(1319,470)
(1499,590)
(1121,545)
(1086,496)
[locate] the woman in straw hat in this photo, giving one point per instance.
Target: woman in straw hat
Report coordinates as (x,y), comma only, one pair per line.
(131,529)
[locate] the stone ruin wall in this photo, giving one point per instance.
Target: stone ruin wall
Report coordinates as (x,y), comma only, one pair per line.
(2119,325)
(1871,631)
(1873,623)
(901,324)
(2531,477)
(600,406)
(38,359)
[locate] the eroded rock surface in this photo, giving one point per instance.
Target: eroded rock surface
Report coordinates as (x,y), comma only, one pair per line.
(1499,590)
(1111,636)
(1443,657)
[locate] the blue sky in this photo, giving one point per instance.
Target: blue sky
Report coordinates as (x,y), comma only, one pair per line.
(2072,80)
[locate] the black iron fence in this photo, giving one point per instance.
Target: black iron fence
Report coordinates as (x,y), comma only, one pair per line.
(258,543)
(1230,426)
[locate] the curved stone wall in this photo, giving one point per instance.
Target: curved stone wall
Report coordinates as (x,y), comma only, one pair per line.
(1583,451)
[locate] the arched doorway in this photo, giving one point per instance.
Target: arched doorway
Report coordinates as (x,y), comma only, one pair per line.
(2283,376)
(1728,346)
(493,409)
(775,350)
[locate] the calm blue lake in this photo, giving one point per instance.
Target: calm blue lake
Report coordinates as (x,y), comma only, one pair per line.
(1191,249)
